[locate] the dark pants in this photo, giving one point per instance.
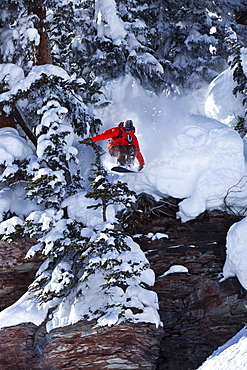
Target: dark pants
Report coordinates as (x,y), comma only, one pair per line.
(125,153)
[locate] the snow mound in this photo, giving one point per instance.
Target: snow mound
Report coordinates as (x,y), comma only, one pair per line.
(220,102)
(188,156)
(175,269)
(236,258)
(204,160)
(10,74)
(12,146)
(230,356)
(13,199)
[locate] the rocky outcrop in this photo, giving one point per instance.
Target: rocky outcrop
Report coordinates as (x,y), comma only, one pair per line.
(198,311)
(15,273)
(80,347)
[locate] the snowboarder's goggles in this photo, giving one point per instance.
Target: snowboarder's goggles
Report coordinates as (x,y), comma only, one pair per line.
(128,128)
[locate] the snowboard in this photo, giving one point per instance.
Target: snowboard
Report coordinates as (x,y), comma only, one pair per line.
(122,170)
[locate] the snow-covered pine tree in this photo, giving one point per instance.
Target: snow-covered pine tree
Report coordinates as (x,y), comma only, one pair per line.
(102,275)
(54,105)
(18,33)
(51,104)
(165,46)
(192,47)
(237,46)
(34,87)
(104,190)
(43,87)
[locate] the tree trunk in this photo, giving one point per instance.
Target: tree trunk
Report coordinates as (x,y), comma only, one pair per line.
(104,207)
(6,121)
(42,52)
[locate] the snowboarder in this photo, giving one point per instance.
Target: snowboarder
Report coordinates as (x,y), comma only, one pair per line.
(123,143)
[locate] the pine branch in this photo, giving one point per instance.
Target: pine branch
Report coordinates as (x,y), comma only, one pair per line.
(19,118)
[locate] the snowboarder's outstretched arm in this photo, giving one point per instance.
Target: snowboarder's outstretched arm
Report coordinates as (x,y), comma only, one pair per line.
(108,134)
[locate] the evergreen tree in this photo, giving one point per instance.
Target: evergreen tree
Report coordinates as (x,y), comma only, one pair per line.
(103,261)
(235,62)
(165,46)
(104,190)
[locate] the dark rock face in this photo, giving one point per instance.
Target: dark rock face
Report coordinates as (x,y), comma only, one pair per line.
(15,273)
(126,347)
(80,347)
(198,311)
(16,347)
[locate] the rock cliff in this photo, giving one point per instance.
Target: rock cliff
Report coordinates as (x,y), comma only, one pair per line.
(199,312)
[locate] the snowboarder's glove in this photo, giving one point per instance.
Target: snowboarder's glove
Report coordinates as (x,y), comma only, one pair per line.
(87,140)
(140,167)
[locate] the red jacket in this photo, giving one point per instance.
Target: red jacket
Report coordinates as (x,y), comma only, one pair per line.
(118,136)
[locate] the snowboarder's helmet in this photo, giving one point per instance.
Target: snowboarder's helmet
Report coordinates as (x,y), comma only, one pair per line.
(128,124)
